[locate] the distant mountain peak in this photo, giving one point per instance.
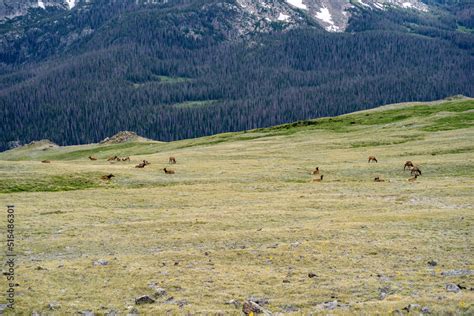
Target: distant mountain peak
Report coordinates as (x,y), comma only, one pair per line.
(332,15)
(13,8)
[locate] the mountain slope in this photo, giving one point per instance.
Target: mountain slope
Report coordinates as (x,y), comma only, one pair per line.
(190,68)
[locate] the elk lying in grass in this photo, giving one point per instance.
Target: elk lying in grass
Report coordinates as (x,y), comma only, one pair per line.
(408,164)
(92,158)
(142,164)
(107,177)
(117,158)
(172,160)
(372,158)
(318,179)
(46,161)
(415,171)
(413,179)
(315,171)
(377,179)
(168,171)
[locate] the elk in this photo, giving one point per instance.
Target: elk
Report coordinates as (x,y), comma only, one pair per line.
(318,179)
(415,171)
(126,159)
(107,177)
(413,179)
(92,158)
(372,158)
(377,179)
(315,171)
(46,161)
(172,160)
(168,171)
(113,158)
(142,164)
(408,164)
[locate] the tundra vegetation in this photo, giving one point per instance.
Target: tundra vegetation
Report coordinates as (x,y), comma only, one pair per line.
(241,218)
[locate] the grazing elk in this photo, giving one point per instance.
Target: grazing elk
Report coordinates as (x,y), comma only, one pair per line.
(372,158)
(113,158)
(318,179)
(315,171)
(172,160)
(107,177)
(413,179)
(377,179)
(46,161)
(168,171)
(408,164)
(415,171)
(126,159)
(92,158)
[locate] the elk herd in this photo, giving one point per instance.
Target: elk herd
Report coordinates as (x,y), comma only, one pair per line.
(415,171)
(141,165)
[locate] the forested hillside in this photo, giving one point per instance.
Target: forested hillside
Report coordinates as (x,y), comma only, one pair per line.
(178,70)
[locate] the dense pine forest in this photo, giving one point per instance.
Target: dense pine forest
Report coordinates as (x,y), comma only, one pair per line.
(176,72)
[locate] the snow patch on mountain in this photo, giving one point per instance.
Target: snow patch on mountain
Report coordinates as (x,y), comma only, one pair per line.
(326,18)
(71,3)
(298,4)
(283,17)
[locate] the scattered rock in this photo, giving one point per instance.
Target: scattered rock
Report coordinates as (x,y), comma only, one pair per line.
(432,263)
(40,268)
(112,312)
(286,281)
(328,305)
(181,303)
(295,244)
(251,307)
(159,292)
(54,306)
(133,312)
(384,292)
(87,313)
(312,275)
(122,137)
(426,310)
(233,302)
(145,299)
(457,272)
(101,262)
(289,308)
(3,307)
(411,307)
(451,287)
(262,301)
(273,246)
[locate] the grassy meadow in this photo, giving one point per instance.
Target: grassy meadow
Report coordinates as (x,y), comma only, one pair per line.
(241,218)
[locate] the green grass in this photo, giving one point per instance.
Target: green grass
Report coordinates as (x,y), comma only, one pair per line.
(461,120)
(195,104)
(54,183)
(161,80)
